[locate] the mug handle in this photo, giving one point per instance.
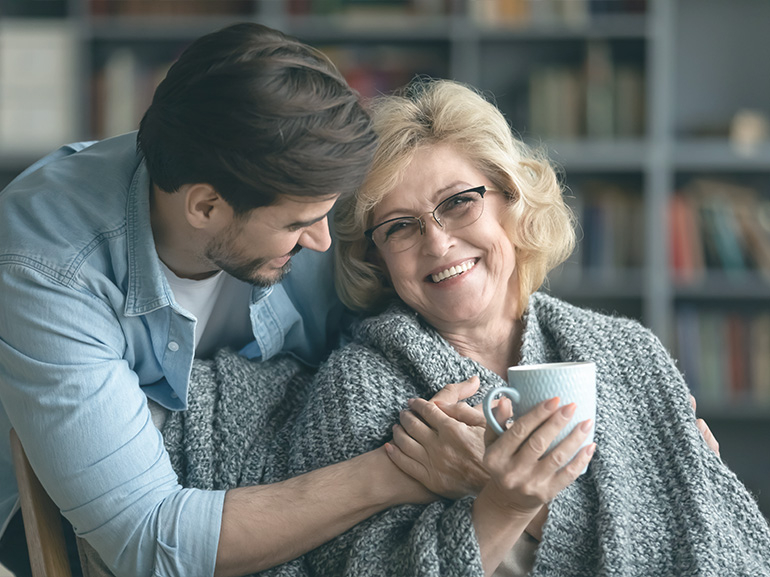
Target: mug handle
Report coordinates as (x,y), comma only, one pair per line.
(512,394)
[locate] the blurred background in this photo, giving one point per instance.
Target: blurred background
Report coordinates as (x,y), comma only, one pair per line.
(655,111)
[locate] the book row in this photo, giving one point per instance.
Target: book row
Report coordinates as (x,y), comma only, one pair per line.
(550,12)
(494,12)
(597,98)
(725,356)
(718,225)
(610,227)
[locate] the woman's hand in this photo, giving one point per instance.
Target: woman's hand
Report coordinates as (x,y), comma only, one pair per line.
(440,442)
(523,477)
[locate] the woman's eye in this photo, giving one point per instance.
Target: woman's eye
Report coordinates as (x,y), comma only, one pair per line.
(459,201)
(399,228)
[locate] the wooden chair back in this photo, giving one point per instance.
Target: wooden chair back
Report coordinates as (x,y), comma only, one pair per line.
(42,520)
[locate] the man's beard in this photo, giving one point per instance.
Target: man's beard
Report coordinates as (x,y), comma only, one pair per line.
(220,252)
(249,272)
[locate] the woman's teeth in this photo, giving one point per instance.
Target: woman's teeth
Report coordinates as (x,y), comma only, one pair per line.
(453,271)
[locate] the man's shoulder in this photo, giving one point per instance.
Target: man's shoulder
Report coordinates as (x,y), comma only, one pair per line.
(68,204)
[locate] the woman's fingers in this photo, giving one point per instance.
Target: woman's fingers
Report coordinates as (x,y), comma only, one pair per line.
(544,435)
(502,412)
(455,392)
(428,412)
(572,470)
(523,427)
(463,412)
(523,472)
(407,444)
(407,464)
(562,453)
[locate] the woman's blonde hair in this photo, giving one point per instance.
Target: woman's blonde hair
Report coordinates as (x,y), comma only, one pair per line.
(430,112)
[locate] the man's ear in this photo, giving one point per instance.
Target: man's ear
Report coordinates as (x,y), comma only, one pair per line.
(205,208)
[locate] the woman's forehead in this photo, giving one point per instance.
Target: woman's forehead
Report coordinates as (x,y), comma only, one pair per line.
(433,173)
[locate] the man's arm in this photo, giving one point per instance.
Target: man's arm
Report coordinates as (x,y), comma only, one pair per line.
(266,525)
(83,420)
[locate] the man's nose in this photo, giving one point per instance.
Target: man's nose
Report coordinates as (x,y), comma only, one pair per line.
(317,236)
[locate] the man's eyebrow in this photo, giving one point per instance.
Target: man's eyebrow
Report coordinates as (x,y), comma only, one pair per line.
(306,223)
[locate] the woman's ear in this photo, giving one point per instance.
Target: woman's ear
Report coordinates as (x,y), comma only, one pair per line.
(373,256)
(205,208)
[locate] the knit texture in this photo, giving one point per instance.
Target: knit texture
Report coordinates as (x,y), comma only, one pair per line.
(654,502)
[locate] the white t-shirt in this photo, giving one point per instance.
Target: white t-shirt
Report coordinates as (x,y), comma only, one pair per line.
(220,305)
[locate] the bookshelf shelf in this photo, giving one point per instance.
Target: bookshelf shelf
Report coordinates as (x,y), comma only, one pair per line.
(743,286)
(594,155)
(719,154)
(742,413)
(618,283)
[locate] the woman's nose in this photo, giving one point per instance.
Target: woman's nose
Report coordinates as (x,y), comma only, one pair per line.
(435,239)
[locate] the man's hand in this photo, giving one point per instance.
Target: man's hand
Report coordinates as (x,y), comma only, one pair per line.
(708,436)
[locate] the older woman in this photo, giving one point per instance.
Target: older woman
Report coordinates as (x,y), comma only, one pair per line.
(453,232)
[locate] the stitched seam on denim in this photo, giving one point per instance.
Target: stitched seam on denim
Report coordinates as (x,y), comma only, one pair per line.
(131,219)
(66,277)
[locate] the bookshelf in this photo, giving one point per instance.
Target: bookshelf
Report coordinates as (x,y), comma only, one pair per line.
(637,101)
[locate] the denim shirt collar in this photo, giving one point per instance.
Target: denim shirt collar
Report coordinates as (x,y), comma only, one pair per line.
(147,286)
(148,289)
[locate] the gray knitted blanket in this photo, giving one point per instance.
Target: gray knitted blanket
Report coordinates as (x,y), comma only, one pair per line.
(654,502)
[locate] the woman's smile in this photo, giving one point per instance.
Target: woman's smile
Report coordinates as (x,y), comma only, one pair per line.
(452,271)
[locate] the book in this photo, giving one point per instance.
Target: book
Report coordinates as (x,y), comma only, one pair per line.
(688,348)
(122,90)
(754,230)
(759,347)
(737,354)
(556,102)
(629,99)
(714,372)
(121,75)
(685,242)
(600,101)
(734,225)
(613,230)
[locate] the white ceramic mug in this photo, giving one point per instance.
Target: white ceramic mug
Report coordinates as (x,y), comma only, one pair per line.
(572,382)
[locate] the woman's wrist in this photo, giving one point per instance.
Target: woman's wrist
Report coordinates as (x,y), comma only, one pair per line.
(498,527)
(496,510)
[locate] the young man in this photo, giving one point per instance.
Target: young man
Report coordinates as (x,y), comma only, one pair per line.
(122,260)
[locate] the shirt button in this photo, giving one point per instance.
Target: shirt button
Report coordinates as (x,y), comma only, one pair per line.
(173,346)
(174,396)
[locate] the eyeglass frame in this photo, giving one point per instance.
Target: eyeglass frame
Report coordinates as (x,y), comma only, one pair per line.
(481,190)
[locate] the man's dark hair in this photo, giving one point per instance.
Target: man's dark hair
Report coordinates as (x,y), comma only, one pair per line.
(256,114)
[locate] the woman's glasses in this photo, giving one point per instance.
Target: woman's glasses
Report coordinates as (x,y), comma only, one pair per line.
(402,233)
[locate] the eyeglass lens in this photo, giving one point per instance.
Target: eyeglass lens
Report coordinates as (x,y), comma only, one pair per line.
(457,211)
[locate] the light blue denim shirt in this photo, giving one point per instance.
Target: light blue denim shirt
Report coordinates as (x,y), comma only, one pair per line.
(89,328)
